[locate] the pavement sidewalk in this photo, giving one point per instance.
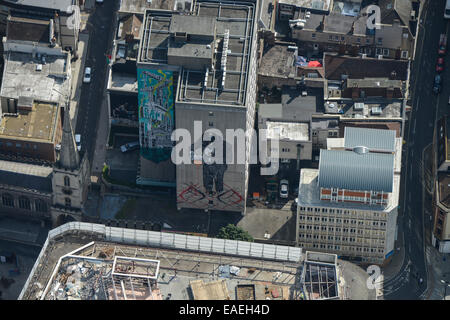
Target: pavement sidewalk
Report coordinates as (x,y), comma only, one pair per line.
(393,267)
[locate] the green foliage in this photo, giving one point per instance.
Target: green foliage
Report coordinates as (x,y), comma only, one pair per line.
(234,233)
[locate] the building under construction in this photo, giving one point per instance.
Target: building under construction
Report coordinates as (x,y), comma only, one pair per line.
(83,261)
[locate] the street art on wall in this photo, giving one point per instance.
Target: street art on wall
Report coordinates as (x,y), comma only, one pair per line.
(156,113)
(210,190)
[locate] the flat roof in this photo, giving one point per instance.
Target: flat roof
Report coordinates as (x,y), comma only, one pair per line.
(28,29)
(139,6)
(309,194)
(230,67)
(21,77)
(374,83)
(278,61)
(60,5)
(322,5)
(197,25)
(365,109)
(295,131)
(38,124)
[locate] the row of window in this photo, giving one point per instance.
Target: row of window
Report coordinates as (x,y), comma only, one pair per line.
(344,221)
(337,247)
(341,211)
(24,203)
(18,145)
(339,230)
(340,238)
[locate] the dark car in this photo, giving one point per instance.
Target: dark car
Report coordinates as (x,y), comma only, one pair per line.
(440,65)
(442,45)
(437,86)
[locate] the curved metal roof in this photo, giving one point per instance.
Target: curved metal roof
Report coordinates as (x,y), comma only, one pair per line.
(353,171)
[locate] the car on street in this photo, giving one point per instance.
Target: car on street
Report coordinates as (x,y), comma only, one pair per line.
(440,64)
(442,45)
(87,75)
(78,141)
(437,86)
(284,188)
(129,146)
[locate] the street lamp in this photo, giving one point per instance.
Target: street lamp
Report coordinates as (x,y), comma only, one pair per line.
(446,284)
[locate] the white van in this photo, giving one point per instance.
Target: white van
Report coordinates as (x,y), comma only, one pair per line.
(78,141)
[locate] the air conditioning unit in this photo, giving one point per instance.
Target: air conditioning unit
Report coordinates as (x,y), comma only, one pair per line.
(358,106)
(376,110)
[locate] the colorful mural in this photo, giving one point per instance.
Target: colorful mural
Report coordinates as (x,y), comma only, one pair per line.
(156,113)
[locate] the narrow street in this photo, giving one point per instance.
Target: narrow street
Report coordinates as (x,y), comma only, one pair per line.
(426,107)
(100,26)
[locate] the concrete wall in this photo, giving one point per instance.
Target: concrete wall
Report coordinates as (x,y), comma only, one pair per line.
(191,192)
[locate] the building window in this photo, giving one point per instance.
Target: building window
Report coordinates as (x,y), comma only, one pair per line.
(8,200)
(358,40)
(330,38)
(380,40)
(41,206)
(211,124)
(385,52)
(68,202)
(24,203)
(405,54)
(313,35)
(66,181)
(211,113)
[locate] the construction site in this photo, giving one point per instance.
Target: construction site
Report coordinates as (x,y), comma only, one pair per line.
(108,263)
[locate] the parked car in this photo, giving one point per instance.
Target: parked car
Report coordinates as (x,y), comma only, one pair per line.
(284,189)
(87,75)
(437,85)
(58,147)
(130,146)
(442,45)
(440,64)
(78,141)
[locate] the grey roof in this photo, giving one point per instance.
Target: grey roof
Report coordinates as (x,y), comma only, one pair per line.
(356,171)
(60,5)
(374,139)
(270,110)
(29,176)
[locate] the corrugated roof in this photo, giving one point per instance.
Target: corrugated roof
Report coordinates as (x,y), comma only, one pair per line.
(352,171)
(374,139)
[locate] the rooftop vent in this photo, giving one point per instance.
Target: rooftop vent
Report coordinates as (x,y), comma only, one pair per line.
(361,150)
(358,106)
